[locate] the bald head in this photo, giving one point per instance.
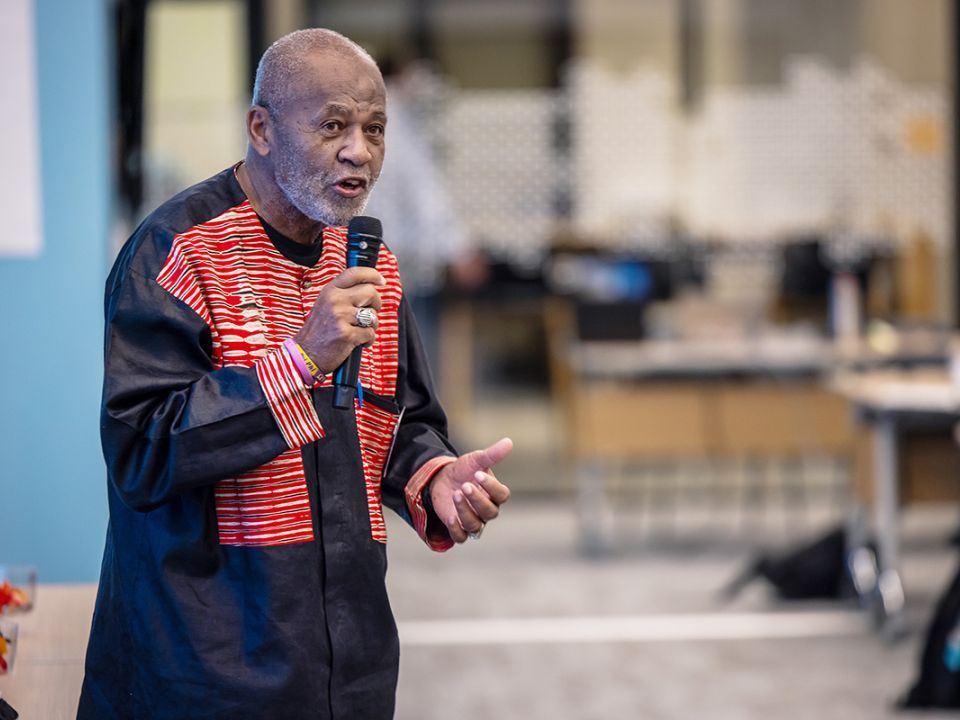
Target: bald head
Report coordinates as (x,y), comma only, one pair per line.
(284,61)
(315,132)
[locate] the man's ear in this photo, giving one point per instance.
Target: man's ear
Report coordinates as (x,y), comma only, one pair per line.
(259,129)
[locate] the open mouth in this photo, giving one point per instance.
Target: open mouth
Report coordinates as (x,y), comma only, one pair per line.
(351,187)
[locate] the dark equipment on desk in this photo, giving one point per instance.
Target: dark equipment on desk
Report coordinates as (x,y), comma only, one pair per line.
(815,570)
(938,684)
(632,284)
(805,274)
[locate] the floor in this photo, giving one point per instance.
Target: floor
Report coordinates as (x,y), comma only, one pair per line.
(640,634)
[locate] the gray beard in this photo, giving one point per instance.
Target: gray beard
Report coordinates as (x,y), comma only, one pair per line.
(306,193)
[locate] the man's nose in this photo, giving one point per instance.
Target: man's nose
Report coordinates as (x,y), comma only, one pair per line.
(356,148)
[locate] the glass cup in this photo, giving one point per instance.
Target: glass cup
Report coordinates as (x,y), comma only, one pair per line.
(18,588)
(9,630)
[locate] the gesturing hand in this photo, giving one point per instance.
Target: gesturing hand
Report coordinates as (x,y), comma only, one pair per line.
(466,495)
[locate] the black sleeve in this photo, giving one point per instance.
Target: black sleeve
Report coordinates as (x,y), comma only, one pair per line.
(422,434)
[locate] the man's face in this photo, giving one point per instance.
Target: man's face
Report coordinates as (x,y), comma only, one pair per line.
(328,137)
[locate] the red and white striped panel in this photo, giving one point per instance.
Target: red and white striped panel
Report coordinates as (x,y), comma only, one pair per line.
(252,298)
(375,430)
(268,506)
(289,399)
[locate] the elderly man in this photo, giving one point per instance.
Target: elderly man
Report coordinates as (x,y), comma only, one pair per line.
(243,575)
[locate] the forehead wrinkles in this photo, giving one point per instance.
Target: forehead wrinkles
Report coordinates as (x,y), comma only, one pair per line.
(324,80)
(308,111)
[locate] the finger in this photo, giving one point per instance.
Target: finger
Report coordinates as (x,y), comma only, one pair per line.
(363,336)
(358,276)
(347,317)
(481,504)
(351,333)
(469,520)
(351,315)
(362,295)
(487,458)
(496,490)
(457,533)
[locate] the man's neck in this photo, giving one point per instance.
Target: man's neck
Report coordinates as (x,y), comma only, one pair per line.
(272,206)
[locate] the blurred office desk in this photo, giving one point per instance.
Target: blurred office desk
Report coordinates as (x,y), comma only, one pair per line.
(786,354)
(479,333)
(890,401)
(713,399)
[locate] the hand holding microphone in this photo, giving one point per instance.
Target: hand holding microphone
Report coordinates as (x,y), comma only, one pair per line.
(343,319)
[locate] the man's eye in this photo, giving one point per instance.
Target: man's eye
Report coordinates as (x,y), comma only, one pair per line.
(376,130)
(331,126)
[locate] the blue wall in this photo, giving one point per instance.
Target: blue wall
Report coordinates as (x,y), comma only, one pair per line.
(52,488)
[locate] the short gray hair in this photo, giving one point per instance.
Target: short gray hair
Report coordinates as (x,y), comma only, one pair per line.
(281,59)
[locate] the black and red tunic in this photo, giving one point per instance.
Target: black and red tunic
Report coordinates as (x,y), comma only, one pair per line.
(243,574)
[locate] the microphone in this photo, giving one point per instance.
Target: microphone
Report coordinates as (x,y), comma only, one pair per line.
(364,235)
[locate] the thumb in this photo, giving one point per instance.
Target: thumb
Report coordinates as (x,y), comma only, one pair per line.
(488,457)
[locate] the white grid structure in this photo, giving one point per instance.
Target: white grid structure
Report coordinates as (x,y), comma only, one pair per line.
(846,152)
(503,169)
(624,154)
(853,151)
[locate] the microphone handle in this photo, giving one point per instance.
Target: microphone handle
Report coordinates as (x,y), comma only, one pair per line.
(345,380)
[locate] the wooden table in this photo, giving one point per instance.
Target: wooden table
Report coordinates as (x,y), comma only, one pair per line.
(45,682)
(887,400)
(657,401)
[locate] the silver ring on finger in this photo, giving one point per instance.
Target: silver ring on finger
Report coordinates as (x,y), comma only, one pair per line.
(475,535)
(366,317)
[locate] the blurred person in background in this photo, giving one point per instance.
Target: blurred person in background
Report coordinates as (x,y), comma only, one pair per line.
(412,199)
(243,574)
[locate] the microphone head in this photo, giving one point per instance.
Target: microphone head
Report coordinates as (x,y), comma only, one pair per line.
(365,225)
(364,235)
